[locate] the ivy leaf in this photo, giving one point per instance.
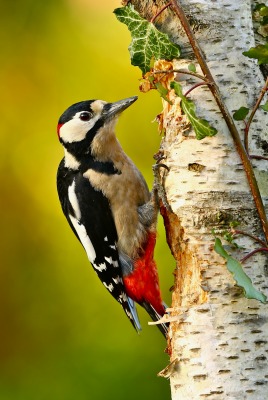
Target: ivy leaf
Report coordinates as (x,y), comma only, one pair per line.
(265,106)
(241,113)
(241,278)
(259,52)
(147,42)
(201,126)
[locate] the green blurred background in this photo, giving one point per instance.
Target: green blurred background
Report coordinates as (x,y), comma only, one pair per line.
(62,336)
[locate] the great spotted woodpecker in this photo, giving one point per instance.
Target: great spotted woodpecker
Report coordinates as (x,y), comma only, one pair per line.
(108,205)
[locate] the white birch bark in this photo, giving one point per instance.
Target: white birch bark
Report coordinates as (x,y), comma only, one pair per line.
(219,341)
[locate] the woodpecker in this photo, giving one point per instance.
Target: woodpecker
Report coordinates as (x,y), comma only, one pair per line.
(107,203)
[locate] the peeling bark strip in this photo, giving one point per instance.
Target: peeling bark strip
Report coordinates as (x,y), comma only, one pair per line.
(219,342)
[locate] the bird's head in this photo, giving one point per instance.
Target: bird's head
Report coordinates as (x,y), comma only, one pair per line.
(89,124)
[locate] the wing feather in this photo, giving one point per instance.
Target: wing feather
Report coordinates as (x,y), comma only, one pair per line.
(89,215)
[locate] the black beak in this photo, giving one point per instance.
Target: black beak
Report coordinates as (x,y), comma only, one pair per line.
(110,110)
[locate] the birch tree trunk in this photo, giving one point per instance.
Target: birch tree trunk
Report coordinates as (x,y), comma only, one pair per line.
(218,339)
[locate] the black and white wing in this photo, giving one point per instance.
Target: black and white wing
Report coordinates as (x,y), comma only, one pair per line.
(90,217)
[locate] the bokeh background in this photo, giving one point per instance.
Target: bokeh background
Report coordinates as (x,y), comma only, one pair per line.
(62,336)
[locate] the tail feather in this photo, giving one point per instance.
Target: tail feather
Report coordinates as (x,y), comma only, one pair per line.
(163,327)
(134,319)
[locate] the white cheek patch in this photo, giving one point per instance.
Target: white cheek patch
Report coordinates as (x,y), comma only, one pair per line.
(86,242)
(76,130)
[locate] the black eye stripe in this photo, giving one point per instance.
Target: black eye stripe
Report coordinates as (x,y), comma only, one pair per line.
(85,116)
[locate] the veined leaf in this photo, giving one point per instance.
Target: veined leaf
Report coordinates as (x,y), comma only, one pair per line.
(241,113)
(241,278)
(147,42)
(201,126)
(265,106)
(259,52)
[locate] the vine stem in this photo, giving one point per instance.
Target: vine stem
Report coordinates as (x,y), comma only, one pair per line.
(262,249)
(194,87)
(175,4)
(258,157)
(262,93)
(181,71)
(160,12)
(238,232)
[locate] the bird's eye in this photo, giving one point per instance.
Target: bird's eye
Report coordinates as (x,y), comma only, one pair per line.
(85,116)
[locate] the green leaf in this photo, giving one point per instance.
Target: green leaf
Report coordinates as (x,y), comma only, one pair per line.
(265,106)
(241,278)
(229,237)
(191,67)
(163,91)
(264,12)
(201,126)
(218,247)
(260,53)
(241,114)
(262,9)
(264,20)
(147,42)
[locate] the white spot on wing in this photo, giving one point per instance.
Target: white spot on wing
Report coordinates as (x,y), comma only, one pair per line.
(106,239)
(122,297)
(110,287)
(129,314)
(73,200)
(112,262)
(85,240)
(101,267)
(113,247)
(118,279)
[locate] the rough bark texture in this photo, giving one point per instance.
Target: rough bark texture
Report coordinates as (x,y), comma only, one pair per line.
(218,344)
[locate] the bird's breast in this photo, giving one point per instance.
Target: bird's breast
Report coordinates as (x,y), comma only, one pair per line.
(126,192)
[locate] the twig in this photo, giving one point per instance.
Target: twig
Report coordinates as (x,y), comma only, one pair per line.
(181,71)
(262,93)
(194,87)
(226,115)
(253,252)
(258,157)
(160,12)
(238,232)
